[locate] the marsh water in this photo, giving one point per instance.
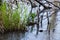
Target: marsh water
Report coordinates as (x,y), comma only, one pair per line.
(32,35)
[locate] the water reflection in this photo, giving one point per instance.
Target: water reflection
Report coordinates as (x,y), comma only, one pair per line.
(32,35)
(12,36)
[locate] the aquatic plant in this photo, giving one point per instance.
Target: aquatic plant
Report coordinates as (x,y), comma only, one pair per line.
(12,19)
(5,17)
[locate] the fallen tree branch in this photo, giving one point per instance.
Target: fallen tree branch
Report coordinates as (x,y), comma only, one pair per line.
(43,5)
(52,4)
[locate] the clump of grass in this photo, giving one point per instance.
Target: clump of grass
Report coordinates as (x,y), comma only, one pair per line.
(15,19)
(12,19)
(4,15)
(31,17)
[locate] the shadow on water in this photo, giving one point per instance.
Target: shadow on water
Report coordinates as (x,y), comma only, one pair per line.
(12,36)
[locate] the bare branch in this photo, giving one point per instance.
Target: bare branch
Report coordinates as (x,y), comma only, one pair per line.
(43,5)
(52,4)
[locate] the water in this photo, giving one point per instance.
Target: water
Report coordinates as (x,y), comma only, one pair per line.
(32,35)
(24,36)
